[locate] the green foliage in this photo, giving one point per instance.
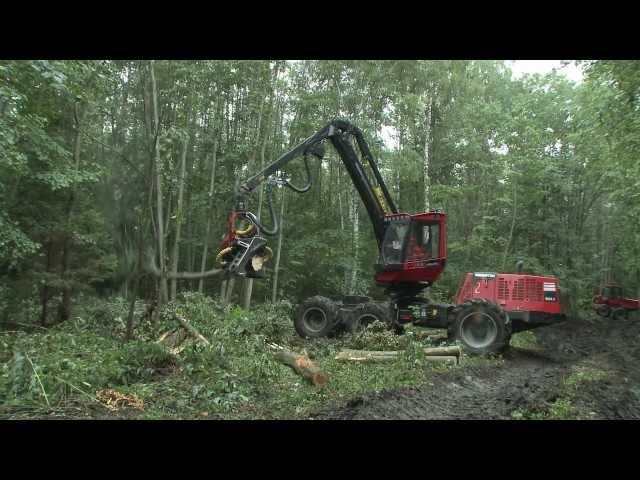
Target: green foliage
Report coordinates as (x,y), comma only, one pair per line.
(538,169)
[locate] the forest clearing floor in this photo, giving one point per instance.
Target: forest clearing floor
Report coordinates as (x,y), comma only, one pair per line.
(82,369)
(587,369)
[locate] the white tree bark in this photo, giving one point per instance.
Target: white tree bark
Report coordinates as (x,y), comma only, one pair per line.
(274,292)
(427,151)
(158,181)
(179,208)
(248,289)
(513,225)
(203,261)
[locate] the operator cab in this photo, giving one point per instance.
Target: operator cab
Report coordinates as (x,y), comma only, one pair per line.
(413,248)
(612,291)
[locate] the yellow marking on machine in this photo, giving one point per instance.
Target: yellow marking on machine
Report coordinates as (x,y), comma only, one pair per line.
(380,197)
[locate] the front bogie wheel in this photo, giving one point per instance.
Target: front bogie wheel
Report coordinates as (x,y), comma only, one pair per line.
(481,327)
(367,314)
(316,317)
(603,310)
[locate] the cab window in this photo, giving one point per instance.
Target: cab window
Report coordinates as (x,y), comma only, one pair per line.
(424,241)
(393,243)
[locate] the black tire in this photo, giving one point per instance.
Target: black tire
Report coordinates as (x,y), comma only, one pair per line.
(316,317)
(491,335)
(369,313)
(603,310)
(619,314)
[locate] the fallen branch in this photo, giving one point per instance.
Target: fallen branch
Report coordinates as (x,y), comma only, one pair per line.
(191,329)
(174,340)
(38,377)
(152,268)
(303,366)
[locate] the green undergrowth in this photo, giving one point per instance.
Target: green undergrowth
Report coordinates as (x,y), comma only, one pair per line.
(235,377)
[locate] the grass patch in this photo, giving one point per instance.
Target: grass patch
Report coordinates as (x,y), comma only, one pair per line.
(525,340)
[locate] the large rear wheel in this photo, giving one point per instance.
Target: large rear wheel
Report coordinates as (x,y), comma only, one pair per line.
(603,310)
(316,317)
(481,327)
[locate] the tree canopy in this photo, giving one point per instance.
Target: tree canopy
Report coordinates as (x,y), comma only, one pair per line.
(104,161)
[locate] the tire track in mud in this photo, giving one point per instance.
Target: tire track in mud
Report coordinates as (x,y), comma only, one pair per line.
(525,380)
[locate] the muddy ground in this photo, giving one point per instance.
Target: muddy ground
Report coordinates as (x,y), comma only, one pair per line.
(585,369)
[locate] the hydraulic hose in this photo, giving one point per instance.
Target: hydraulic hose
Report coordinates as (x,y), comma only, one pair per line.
(253,219)
(309,179)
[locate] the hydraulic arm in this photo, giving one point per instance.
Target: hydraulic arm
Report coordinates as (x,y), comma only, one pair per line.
(412,247)
(244,250)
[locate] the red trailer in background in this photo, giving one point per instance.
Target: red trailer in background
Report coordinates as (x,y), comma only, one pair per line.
(612,302)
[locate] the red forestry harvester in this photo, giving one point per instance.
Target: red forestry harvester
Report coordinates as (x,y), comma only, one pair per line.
(412,255)
(612,302)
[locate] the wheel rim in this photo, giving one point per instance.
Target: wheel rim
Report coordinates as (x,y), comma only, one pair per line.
(314,319)
(478,329)
(366,319)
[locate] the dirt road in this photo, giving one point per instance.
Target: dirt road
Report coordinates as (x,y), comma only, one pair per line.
(581,369)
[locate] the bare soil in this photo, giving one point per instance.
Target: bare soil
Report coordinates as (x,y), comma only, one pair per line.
(525,381)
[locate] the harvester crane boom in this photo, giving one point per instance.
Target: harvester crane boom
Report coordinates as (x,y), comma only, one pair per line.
(376,198)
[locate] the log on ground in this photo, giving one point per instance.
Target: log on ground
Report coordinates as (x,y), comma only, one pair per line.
(303,366)
(442,354)
(433,351)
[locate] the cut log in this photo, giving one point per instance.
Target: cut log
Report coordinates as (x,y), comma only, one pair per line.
(442,359)
(435,354)
(433,351)
(373,358)
(437,338)
(191,329)
(446,351)
(364,357)
(302,366)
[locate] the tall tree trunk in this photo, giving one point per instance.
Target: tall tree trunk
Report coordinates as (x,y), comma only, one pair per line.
(274,292)
(44,312)
(229,290)
(223,292)
(136,281)
(158,180)
(427,151)
(248,284)
(205,248)
(64,311)
(513,225)
(176,243)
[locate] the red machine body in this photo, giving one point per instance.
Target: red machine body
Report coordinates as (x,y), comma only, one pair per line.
(414,248)
(530,300)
